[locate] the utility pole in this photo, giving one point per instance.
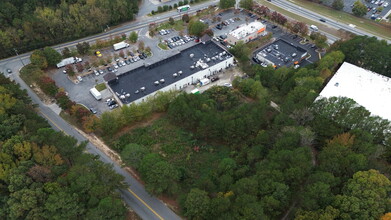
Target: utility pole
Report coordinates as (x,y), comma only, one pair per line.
(18,56)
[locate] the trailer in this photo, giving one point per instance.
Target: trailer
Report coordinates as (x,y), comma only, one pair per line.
(97,95)
(69,60)
(120,45)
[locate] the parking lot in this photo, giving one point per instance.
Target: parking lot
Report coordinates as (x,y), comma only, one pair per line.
(372,6)
(79,92)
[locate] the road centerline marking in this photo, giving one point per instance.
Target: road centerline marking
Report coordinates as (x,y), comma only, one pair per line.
(146,205)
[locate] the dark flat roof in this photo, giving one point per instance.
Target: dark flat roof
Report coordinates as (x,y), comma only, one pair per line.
(285,49)
(146,75)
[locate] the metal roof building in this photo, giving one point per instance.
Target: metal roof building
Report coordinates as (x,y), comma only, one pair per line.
(368,89)
(246,33)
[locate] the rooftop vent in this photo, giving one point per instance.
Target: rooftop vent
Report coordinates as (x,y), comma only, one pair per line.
(180,72)
(122,97)
(136,92)
(191,55)
(207,60)
(142,89)
(174,75)
(156,83)
(127,95)
(191,67)
(162,81)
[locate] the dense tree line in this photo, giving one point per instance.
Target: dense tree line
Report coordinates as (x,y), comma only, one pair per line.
(44,174)
(227,154)
(27,25)
(368,53)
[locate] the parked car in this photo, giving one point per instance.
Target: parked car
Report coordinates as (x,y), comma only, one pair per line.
(101,72)
(93,111)
(96,72)
(79,78)
(9,71)
(322,20)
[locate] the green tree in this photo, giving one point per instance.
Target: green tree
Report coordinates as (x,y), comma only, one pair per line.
(38,58)
(52,56)
(365,196)
(132,154)
(171,21)
(133,37)
(197,28)
(162,178)
(338,4)
(359,9)
(197,204)
(224,4)
(66,52)
(241,51)
(246,4)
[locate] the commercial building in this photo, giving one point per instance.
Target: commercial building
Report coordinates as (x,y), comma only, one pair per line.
(281,53)
(173,73)
(246,33)
(368,89)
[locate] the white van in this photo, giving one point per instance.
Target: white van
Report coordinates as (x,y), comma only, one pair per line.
(314,28)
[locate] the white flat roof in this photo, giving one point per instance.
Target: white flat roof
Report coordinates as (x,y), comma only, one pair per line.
(245,30)
(368,89)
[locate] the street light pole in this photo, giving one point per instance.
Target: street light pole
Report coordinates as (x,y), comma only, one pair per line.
(18,56)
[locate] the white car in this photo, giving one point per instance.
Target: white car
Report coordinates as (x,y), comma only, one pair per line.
(229,85)
(101,72)
(96,72)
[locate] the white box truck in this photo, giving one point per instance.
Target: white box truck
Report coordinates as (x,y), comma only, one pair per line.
(120,45)
(94,92)
(204,81)
(69,60)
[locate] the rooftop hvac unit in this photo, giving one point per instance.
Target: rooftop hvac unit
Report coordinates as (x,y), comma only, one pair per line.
(162,81)
(213,58)
(122,97)
(156,83)
(224,52)
(207,60)
(142,89)
(180,72)
(127,95)
(191,55)
(220,54)
(191,67)
(136,92)
(174,75)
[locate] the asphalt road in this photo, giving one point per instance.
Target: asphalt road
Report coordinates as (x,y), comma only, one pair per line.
(289,6)
(145,205)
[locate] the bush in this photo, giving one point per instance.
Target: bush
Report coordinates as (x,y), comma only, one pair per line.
(180,3)
(165,8)
(185,2)
(48,86)
(175,5)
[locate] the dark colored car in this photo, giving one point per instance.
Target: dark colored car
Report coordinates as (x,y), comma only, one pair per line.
(141,56)
(109,69)
(215,78)
(256,60)
(322,20)
(219,26)
(112,102)
(127,62)
(274,26)
(144,55)
(9,71)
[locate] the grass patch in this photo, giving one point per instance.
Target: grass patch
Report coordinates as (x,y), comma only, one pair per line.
(163,46)
(178,25)
(100,87)
(340,16)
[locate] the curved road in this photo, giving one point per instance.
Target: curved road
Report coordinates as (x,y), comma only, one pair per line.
(145,205)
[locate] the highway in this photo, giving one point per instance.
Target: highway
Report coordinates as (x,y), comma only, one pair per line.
(289,6)
(145,205)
